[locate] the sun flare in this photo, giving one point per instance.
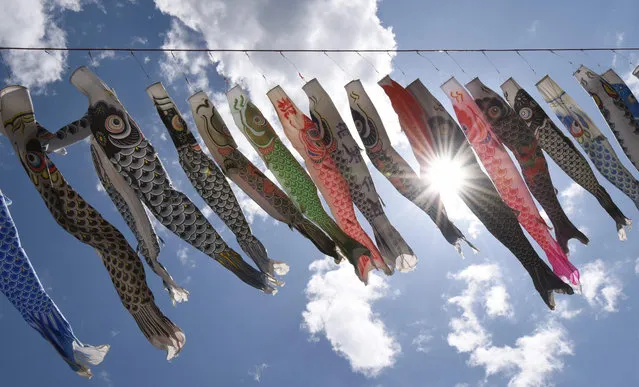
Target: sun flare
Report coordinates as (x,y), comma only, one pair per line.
(447,176)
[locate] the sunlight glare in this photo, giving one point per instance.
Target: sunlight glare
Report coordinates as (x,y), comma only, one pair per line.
(447,176)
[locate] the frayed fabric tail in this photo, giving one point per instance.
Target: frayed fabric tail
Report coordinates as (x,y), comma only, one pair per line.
(566,231)
(546,283)
(395,251)
(159,330)
(86,356)
(256,250)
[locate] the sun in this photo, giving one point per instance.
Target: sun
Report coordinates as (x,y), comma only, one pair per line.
(446,176)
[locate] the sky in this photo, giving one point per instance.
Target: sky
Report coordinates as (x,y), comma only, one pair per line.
(475,321)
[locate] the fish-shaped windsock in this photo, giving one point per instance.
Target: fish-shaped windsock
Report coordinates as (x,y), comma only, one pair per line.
(562,150)
(624,92)
(614,110)
(137,162)
(248,177)
(588,135)
(210,182)
(392,165)
(514,134)
(412,120)
(346,154)
(481,197)
(82,221)
(291,175)
(506,177)
(135,215)
(310,142)
(20,284)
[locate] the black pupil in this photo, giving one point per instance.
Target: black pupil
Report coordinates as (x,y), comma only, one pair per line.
(116,121)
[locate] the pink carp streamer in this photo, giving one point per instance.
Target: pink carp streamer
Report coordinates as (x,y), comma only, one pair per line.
(307,139)
(506,177)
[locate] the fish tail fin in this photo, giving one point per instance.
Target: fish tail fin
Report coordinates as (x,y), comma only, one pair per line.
(233,262)
(159,330)
(623,224)
(546,282)
(359,256)
(177,293)
(56,330)
(453,235)
(562,266)
(396,252)
(565,230)
(256,250)
(317,236)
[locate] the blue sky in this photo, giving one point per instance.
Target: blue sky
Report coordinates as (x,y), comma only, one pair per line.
(452,322)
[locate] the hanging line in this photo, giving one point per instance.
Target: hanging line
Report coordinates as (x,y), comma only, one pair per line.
(428,59)
(295,67)
(492,63)
(257,68)
(337,64)
(367,61)
(140,64)
(396,65)
(183,73)
(458,65)
(626,57)
(227,82)
(528,63)
(591,58)
(562,57)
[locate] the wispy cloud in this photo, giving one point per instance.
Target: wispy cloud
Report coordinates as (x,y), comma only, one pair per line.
(96,59)
(570,197)
(340,308)
(601,287)
(532,30)
(105,376)
(141,40)
(531,360)
(185,259)
(258,371)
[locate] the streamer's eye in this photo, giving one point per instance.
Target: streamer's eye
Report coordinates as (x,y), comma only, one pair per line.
(177,123)
(259,120)
(114,124)
(494,111)
(36,161)
(525,113)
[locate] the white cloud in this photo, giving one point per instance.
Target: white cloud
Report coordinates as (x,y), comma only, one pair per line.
(532,359)
(33,24)
(147,59)
(637,266)
(532,30)
(601,287)
(141,40)
(258,371)
(420,342)
(99,187)
(106,377)
(570,196)
(185,259)
(286,24)
(96,59)
(340,308)
(562,309)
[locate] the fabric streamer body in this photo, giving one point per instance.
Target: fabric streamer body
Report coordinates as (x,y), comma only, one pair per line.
(248,177)
(588,135)
(210,182)
(135,215)
(392,165)
(20,284)
(506,178)
(412,120)
(614,110)
(291,175)
(562,150)
(347,157)
(624,92)
(481,197)
(82,221)
(137,162)
(514,134)
(308,140)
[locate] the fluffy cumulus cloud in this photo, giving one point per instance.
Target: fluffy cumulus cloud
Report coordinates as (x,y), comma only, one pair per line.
(282,24)
(34,23)
(570,197)
(532,359)
(339,307)
(601,287)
